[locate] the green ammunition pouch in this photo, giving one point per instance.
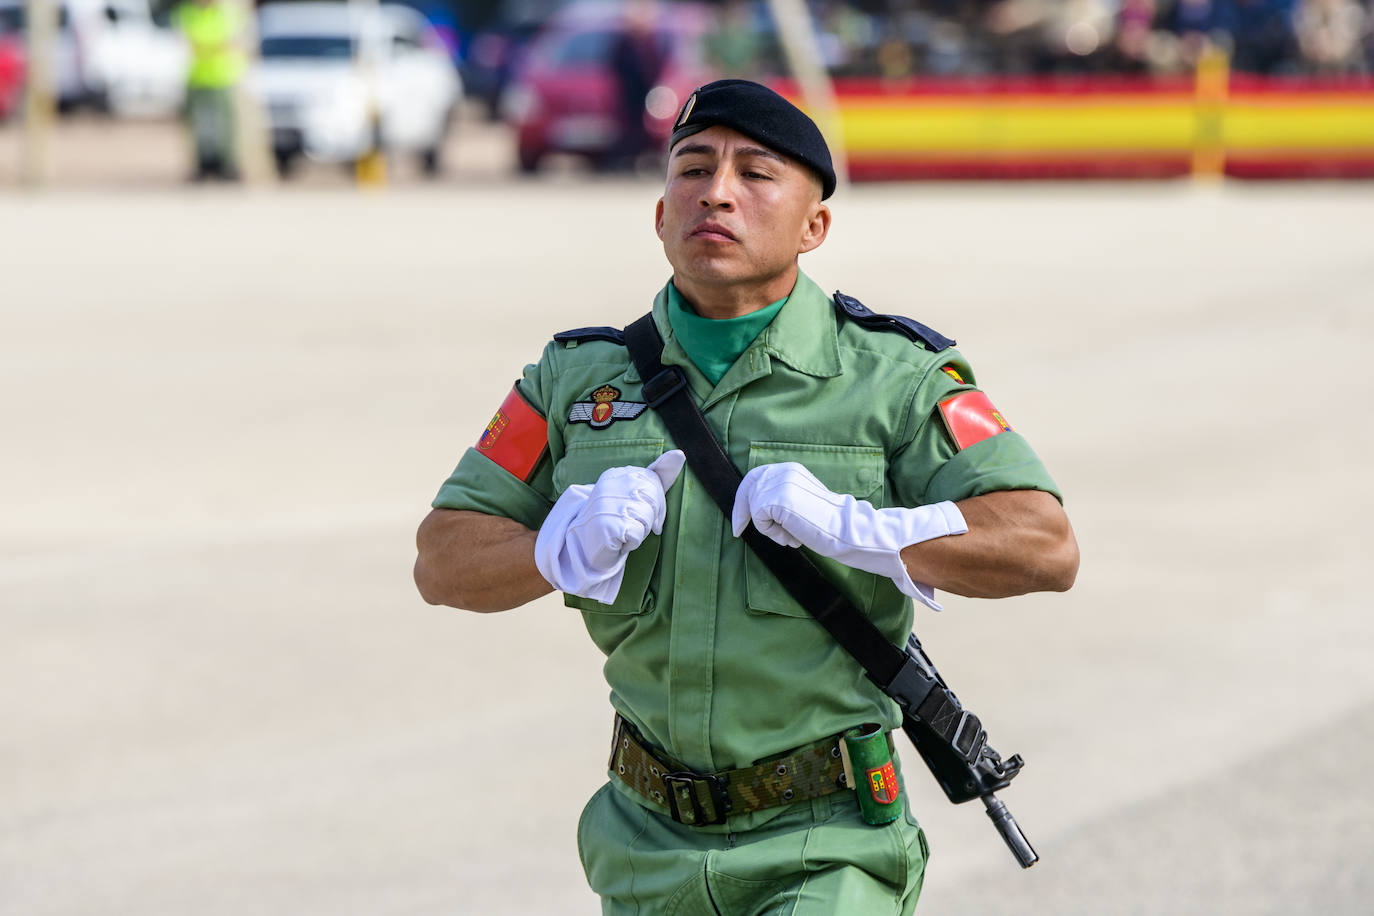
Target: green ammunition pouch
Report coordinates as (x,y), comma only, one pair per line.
(695,799)
(868,753)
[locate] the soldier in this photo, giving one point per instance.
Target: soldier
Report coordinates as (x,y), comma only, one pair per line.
(866,442)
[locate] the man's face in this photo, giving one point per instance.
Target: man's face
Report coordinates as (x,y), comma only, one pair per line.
(735,212)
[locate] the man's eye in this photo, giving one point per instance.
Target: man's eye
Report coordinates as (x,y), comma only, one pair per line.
(693,170)
(762,175)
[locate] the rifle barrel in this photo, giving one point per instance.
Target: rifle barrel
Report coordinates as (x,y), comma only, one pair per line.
(1011,832)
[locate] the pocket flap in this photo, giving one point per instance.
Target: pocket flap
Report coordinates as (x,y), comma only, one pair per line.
(854,469)
(584,462)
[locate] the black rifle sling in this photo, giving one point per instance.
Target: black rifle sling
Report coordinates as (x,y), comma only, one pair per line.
(949,739)
(666,391)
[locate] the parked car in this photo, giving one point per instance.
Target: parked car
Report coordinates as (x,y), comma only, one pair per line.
(338,81)
(11,74)
(566,98)
(112,56)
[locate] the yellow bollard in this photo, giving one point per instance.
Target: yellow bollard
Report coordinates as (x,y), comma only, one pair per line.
(370,169)
(1209,141)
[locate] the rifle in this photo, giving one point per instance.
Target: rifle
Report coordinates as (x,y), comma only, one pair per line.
(954,746)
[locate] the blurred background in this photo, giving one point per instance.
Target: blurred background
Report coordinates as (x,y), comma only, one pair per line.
(905,89)
(265,272)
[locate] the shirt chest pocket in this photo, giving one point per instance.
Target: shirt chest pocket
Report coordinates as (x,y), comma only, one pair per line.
(856,470)
(583,463)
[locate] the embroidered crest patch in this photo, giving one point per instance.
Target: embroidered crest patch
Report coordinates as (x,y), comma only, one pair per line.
(604,408)
(883,782)
(516,436)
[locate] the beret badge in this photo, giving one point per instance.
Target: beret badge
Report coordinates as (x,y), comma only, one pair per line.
(686,110)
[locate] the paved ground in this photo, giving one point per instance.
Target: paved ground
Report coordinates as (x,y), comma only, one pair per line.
(224,414)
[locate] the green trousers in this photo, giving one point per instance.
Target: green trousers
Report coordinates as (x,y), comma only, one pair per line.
(817,858)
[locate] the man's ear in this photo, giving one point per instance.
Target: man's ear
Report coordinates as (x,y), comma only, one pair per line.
(658,218)
(817,226)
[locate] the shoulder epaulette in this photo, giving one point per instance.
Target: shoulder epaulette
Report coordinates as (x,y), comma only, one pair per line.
(861,314)
(614,335)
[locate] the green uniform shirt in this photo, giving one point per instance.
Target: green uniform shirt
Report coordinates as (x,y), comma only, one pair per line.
(706,653)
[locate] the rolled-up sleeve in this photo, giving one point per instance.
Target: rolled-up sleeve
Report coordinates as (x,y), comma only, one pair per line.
(479,484)
(930,467)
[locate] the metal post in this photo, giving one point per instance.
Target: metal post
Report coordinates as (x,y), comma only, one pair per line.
(803,51)
(253,145)
(40,93)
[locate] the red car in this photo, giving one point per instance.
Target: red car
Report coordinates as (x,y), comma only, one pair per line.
(11,73)
(566,97)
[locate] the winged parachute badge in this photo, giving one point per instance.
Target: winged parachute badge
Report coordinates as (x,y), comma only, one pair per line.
(603,409)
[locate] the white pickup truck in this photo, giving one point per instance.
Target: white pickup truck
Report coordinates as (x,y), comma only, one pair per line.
(338,80)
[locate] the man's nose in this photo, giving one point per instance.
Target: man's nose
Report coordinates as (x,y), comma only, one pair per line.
(720,192)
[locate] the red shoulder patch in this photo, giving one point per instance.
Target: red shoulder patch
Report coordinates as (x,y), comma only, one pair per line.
(971,418)
(516,437)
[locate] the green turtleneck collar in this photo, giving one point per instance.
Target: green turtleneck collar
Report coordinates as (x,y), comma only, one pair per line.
(715,343)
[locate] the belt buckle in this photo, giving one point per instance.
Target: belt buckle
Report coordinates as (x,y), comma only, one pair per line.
(697,816)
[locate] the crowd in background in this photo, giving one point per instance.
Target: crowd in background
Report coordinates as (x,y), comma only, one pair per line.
(901,38)
(894,39)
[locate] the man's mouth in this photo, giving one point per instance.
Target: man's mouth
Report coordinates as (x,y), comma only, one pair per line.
(712,231)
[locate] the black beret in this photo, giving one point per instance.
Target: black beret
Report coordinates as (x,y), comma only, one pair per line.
(760,114)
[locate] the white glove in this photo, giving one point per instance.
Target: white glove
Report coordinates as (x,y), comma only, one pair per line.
(582,545)
(787,503)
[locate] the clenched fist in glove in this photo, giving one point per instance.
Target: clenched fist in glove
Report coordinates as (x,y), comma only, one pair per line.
(582,545)
(788,504)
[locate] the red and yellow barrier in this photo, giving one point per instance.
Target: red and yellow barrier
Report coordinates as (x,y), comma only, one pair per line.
(1216,123)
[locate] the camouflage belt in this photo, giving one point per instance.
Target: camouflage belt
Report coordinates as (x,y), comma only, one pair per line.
(695,799)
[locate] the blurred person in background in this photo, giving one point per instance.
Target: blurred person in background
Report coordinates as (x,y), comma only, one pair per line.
(727,791)
(1187,30)
(637,58)
(1052,36)
(1134,28)
(735,45)
(847,37)
(1262,35)
(1330,34)
(214,29)
(1369,37)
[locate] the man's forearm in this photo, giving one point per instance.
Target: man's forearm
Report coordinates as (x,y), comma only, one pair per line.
(476,562)
(1018,541)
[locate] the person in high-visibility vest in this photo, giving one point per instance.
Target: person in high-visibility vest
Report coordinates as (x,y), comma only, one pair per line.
(214,29)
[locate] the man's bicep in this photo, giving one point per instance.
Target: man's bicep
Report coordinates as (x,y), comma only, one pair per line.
(1025,537)
(444,529)
(1030,509)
